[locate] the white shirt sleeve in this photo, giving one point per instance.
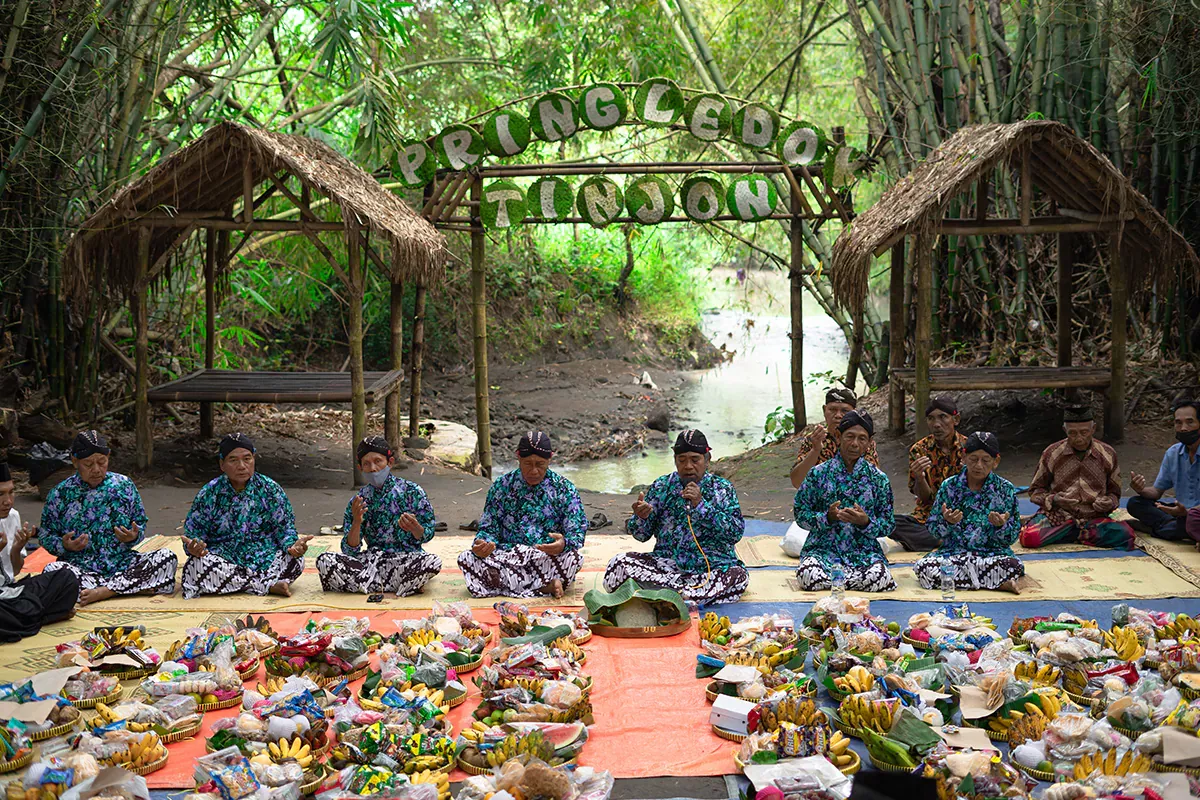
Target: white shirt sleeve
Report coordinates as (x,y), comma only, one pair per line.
(10,525)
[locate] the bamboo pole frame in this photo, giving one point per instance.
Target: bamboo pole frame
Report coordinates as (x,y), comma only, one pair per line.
(416,362)
(1114,401)
(1066,266)
(141,326)
(483,425)
(898,325)
(796,293)
(210,323)
(355,335)
(391,416)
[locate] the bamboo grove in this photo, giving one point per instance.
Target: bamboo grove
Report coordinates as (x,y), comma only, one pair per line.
(1122,73)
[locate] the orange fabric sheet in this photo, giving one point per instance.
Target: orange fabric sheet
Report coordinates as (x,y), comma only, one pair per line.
(650,711)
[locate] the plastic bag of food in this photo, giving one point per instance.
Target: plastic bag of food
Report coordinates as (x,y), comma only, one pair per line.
(129,787)
(561,693)
(272,774)
(177,706)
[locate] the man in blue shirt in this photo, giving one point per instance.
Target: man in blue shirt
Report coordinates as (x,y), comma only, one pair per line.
(1180,471)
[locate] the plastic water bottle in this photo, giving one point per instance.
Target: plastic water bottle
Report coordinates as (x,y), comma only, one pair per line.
(948,572)
(837,581)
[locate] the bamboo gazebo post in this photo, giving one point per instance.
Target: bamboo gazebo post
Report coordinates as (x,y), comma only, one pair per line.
(1114,401)
(210,323)
(391,424)
(1066,266)
(141,326)
(898,327)
(796,279)
(357,393)
(924,332)
(483,425)
(416,359)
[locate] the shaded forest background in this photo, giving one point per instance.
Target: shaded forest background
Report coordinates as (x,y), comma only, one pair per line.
(93,93)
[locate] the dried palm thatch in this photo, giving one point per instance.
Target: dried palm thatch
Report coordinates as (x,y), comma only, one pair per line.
(207,177)
(1064,167)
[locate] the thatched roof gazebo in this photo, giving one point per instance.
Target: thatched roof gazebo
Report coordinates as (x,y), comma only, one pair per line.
(127,246)
(1089,195)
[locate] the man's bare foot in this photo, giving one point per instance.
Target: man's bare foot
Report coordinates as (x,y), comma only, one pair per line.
(554,588)
(1009,586)
(282,588)
(88,596)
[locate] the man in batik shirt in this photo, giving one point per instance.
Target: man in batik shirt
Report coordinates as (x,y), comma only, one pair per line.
(930,461)
(819,443)
(846,505)
(975,519)
(92,522)
(531,530)
(393,518)
(1078,487)
(240,534)
(696,522)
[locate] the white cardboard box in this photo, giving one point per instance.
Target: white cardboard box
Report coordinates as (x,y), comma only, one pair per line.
(731,713)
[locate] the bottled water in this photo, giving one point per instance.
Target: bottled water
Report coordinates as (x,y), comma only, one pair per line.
(948,573)
(837,581)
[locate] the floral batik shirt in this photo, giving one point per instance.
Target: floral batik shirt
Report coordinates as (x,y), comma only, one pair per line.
(381,530)
(248,528)
(843,542)
(975,534)
(517,513)
(942,466)
(716,521)
(75,506)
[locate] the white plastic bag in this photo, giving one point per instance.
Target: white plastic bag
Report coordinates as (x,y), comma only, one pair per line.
(793,541)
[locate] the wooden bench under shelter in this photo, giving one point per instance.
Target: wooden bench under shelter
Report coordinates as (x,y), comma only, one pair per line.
(1088,194)
(212,188)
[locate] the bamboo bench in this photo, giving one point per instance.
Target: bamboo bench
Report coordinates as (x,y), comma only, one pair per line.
(233,386)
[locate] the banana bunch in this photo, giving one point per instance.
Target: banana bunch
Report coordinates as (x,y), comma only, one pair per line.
(532,685)
(296,750)
(1028,728)
(106,713)
(839,747)
(274,684)
(122,637)
(439,779)
(1182,627)
(435,696)
(422,638)
(532,744)
(860,713)
(714,629)
(1045,675)
(419,764)
(146,750)
(1109,764)
(1074,678)
(514,625)
(1050,705)
(475,732)
(566,646)
(1125,641)
(856,680)
(803,713)
(746,660)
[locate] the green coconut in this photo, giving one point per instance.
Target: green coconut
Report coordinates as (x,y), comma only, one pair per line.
(554,117)
(502,204)
(702,196)
(414,164)
(708,117)
(459,146)
(800,143)
(649,199)
(550,198)
(599,201)
(658,102)
(752,198)
(603,106)
(506,133)
(755,126)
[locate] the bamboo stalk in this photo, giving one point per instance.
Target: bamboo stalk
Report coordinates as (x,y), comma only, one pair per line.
(416,359)
(391,425)
(1037,77)
(479,326)
(354,291)
(927,119)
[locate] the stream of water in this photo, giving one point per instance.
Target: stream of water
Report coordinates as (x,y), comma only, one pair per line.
(730,402)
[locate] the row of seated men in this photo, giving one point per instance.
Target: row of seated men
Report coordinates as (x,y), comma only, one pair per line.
(240,534)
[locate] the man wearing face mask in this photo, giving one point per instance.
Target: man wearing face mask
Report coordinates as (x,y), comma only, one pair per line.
(393,518)
(1180,471)
(975,521)
(92,522)
(696,522)
(240,534)
(531,530)
(1078,486)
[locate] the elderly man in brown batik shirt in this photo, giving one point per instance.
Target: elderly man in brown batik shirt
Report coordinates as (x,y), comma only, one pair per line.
(1077,486)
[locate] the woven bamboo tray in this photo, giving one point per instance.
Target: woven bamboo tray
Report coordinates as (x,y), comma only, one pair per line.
(268,651)
(456,701)
(471,769)
(916,644)
(886,767)
(470,666)
(153,766)
(17,763)
(251,670)
(1037,775)
(182,733)
(351,676)
(587,637)
(236,700)
(312,785)
(1080,700)
(728,735)
(850,769)
(133,674)
(57,730)
(1161,767)
(838,724)
(1188,694)
(110,698)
